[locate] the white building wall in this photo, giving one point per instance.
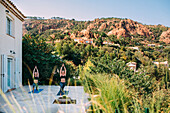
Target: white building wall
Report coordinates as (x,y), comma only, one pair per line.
(11,43)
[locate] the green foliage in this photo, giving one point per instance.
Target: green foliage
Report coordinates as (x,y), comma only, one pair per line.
(103,34)
(67,51)
(109,92)
(37,52)
(99,41)
(35,18)
(142,82)
(75,82)
(157,31)
(102,68)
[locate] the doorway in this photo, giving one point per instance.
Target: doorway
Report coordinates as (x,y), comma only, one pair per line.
(9,72)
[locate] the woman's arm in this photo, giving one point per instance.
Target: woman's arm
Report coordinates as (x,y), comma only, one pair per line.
(60,70)
(65,70)
(33,72)
(37,72)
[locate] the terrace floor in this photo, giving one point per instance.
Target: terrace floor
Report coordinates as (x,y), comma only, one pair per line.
(20,100)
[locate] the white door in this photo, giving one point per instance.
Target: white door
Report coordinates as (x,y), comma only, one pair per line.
(9,73)
(4,73)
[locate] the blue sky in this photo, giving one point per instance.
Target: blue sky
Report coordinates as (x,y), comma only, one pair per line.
(145,11)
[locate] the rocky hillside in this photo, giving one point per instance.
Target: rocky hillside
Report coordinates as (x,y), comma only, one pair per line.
(128,27)
(165,36)
(93,29)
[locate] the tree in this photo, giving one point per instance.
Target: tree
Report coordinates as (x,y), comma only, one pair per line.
(37,52)
(99,41)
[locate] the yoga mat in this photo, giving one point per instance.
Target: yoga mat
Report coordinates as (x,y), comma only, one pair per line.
(36,91)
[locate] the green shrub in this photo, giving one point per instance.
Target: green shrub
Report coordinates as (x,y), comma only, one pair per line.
(110,92)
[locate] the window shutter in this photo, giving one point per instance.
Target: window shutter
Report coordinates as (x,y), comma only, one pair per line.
(17,73)
(4,72)
(10,27)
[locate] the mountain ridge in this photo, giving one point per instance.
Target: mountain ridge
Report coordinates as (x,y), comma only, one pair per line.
(92,29)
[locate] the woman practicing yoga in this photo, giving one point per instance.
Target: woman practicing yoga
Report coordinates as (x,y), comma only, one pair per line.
(35,78)
(63,80)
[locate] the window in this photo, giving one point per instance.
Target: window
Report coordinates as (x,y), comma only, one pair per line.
(9,26)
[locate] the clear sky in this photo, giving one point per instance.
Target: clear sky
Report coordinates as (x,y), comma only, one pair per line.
(145,11)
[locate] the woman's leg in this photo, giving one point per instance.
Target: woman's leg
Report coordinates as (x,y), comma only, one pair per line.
(63,87)
(60,92)
(37,86)
(33,87)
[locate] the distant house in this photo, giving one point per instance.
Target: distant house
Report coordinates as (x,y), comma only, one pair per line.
(154,45)
(83,41)
(160,45)
(108,43)
(10,45)
(76,39)
(105,42)
(49,42)
(89,41)
(79,40)
(132,65)
(151,45)
(135,48)
(117,45)
(161,63)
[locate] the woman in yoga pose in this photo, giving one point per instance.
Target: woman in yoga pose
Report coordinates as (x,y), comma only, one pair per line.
(63,80)
(35,78)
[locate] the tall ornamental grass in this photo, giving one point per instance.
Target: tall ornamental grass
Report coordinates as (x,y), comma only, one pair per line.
(110,93)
